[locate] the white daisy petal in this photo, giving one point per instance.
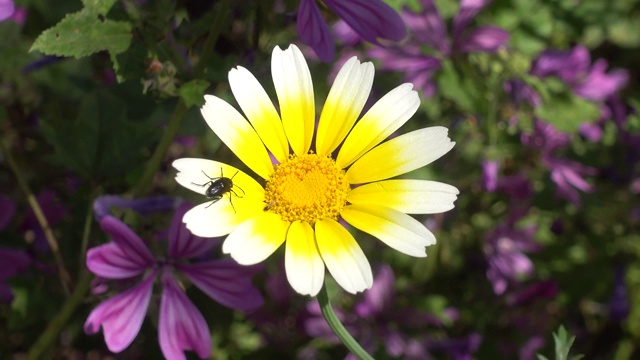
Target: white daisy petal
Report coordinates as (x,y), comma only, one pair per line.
(344,103)
(196,175)
(401,155)
(386,116)
(236,132)
(294,87)
(303,264)
(259,109)
(213,219)
(398,230)
(407,196)
(343,256)
(256,239)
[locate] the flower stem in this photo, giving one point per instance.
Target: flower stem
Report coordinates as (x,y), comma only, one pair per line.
(338,328)
(65,279)
(56,324)
(158,155)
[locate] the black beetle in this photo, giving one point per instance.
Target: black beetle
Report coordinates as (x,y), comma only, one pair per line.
(219,186)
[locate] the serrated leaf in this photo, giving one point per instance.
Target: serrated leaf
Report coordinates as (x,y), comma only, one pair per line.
(101,7)
(82,34)
(192,93)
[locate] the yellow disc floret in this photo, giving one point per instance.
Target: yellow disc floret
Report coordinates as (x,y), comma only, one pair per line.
(307,188)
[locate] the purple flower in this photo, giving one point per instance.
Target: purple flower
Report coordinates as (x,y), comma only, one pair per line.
(428,28)
(619,301)
(568,176)
(542,289)
(516,186)
(6,9)
(574,67)
(14,261)
(505,249)
(181,325)
(371,19)
(378,319)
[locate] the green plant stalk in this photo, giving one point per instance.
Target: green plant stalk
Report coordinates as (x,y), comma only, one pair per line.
(158,155)
(56,325)
(221,19)
(61,319)
(338,328)
(65,279)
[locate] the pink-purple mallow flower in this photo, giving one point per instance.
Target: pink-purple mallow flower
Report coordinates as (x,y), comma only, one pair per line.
(568,175)
(379,320)
(428,28)
(6,9)
(505,249)
(371,19)
(181,326)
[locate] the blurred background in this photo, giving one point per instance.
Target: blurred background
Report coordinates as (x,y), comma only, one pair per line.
(99,97)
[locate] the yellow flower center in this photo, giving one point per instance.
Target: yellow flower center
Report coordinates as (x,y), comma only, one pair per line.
(307,188)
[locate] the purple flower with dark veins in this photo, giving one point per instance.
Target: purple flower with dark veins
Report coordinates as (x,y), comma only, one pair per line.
(428,28)
(181,326)
(371,19)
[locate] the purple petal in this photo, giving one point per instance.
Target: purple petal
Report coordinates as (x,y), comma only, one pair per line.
(381,296)
(182,243)
(547,289)
(103,204)
(468,10)
(226,282)
(406,59)
(428,26)
(490,174)
(345,34)
(313,30)
(483,39)
(371,19)
(566,65)
(13,262)
(121,316)
(126,239)
(112,262)
(181,326)
(6,9)
(7,210)
(598,85)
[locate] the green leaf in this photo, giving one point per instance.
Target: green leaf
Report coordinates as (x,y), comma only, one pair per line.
(456,88)
(192,93)
(563,342)
(83,33)
(566,112)
(101,143)
(101,7)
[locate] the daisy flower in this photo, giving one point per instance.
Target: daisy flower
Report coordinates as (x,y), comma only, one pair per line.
(306,192)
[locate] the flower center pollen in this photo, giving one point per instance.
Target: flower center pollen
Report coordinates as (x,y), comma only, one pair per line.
(307,188)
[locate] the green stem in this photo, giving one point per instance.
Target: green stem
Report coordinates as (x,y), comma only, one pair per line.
(221,19)
(56,325)
(65,279)
(338,328)
(158,155)
(61,319)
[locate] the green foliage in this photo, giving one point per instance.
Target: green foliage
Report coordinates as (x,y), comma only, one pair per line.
(105,144)
(85,32)
(562,342)
(193,92)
